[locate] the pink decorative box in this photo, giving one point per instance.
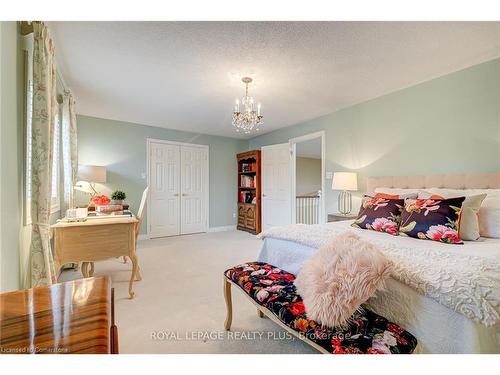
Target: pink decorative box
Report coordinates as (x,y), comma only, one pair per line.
(109,208)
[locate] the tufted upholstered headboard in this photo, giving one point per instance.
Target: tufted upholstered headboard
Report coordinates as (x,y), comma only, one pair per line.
(451,181)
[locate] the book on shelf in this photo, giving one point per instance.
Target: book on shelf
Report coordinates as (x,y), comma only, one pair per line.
(246,197)
(247,181)
(247,167)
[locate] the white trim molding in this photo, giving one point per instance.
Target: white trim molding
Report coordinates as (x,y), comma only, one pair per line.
(293,165)
(142,237)
(226,228)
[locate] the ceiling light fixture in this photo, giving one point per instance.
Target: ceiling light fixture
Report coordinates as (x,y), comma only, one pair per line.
(248,119)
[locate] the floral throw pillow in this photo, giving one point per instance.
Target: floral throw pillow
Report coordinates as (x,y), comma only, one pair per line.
(380,214)
(432,219)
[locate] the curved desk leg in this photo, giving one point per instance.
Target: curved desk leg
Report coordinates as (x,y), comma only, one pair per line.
(57,268)
(91,272)
(124,259)
(134,260)
(138,276)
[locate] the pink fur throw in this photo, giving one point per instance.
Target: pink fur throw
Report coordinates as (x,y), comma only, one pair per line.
(339,277)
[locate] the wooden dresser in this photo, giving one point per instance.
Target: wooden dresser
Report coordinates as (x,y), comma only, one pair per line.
(249,191)
(71,317)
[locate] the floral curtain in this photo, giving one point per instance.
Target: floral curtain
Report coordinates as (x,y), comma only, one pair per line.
(44,106)
(69,149)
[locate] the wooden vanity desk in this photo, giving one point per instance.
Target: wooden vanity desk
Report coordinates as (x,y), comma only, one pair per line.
(94,240)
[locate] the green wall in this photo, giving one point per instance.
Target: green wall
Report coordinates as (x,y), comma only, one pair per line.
(450,124)
(121,147)
(11,160)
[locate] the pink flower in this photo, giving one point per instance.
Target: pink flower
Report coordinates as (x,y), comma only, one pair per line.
(266,281)
(382,224)
(262,295)
(427,205)
(443,233)
(375,202)
(274,288)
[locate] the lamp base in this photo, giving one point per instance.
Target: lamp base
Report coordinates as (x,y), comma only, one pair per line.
(345,202)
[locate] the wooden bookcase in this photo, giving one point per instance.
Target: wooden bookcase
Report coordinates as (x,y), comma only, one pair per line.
(249,191)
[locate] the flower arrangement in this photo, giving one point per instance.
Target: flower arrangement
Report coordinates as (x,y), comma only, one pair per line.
(100,200)
(118,195)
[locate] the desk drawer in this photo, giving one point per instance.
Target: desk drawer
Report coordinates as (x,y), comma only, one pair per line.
(92,243)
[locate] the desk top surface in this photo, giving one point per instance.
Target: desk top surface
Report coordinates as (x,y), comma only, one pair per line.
(70,317)
(97,221)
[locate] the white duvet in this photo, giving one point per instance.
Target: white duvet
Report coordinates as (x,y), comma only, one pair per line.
(464,278)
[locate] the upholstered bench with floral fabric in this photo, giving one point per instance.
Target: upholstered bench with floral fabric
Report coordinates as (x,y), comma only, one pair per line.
(273,292)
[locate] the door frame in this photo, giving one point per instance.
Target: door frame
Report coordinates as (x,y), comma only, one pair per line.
(149,141)
(293,166)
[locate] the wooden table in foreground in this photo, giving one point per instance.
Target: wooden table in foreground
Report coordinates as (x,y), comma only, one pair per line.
(94,240)
(71,317)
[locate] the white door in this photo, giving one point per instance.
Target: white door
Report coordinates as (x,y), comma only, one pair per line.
(164,188)
(276,190)
(178,180)
(193,189)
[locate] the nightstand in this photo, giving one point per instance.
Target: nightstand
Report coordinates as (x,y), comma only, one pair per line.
(340,217)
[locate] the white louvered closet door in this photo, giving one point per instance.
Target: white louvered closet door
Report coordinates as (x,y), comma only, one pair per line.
(194,189)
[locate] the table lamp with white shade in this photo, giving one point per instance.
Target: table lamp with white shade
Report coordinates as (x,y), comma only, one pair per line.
(92,174)
(345,182)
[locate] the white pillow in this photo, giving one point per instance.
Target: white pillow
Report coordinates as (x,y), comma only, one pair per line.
(489,213)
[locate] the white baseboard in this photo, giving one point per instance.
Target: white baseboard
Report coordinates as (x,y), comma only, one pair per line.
(222,229)
(226,228)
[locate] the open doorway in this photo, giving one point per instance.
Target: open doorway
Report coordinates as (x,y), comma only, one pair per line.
(308,171)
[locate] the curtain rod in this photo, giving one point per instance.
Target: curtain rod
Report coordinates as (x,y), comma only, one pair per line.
(26,27)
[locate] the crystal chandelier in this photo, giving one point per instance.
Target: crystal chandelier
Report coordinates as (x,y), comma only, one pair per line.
(248,118)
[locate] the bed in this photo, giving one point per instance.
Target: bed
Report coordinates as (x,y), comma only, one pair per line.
(440,324)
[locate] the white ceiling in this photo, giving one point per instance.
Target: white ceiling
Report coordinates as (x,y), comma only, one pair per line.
(186,75)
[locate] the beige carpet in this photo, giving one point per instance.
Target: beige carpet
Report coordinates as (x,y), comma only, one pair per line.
(180,301)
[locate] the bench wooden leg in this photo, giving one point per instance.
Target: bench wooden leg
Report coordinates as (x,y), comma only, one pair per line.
(229,305)
(260,314)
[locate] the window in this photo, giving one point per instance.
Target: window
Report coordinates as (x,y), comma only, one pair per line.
(67,172)
(28,114)
(55,197)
